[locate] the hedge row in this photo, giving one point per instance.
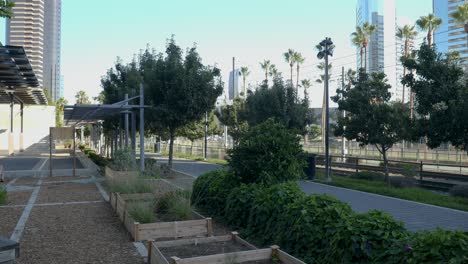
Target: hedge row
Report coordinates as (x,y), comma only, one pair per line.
(320,228)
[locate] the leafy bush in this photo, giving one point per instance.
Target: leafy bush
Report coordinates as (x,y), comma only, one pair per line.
(402,182)
(98,159)
(239,204)
(151,169)
(3,195)
(129,186)
(124,160)
(174,206)
(142,212)
(268,153)
(459,191)
(210,191)
(369,175)
(436,246)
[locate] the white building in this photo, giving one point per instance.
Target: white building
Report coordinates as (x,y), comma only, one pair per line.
(234,88)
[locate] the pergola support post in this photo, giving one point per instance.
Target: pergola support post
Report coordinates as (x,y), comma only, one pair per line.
(21,139)
(11,143)
(133,114)
(126,123)
(142,128)
(120,131)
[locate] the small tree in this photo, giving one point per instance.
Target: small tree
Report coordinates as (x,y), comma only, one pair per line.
(6,8)
(268,153)
(233,116)
(82,98)
(371,118)
(196,130)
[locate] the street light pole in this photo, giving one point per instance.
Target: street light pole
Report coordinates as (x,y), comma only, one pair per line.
(206,136)
(327,50)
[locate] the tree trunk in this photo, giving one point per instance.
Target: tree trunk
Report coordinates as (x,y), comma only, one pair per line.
(365,59)
(266,76)
(191,148)
(429,37)
(323,113)
(384,154)
(171,146)
(292,84)
(245,94)
(404,71)
(297,83)
(361,56)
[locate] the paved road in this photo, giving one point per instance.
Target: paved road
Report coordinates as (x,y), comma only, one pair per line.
(416,216)
(193,168)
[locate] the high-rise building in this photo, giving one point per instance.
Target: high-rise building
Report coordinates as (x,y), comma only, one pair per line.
(26,28)
(450,36)
(234,90)
(383,51)
(36,25)
(52,46)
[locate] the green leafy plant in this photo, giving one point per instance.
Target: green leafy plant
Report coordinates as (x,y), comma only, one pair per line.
(142,212)
(3,195)
(124,160)
(174,206)
(268,153)
(460,191)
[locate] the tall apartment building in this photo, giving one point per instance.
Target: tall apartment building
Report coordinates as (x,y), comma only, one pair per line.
(234,88)
(26,29)
(383,51)
(36,25)
(450,36)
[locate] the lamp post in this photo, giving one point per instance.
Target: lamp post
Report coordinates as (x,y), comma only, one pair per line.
(325,51)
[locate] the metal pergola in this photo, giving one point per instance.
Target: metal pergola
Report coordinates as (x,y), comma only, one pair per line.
(78,115)
(18,84)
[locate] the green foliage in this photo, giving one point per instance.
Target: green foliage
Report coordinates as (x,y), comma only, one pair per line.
(6,8)
(98,159)
(239,204)
(437,246)
(82,98)
(195,130)
(442,97)
(402,182)
(369,175)
(268,153)
(233,116)
(3,195)
(174,206)
(124,160)
(129,186)
(210,191)
(142,212)
(460,191)
(59,107)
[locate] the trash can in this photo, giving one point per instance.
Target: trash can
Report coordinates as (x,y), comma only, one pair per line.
(310,169)
(157,146)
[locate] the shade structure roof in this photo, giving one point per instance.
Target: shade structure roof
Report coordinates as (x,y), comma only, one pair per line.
(74,115)
(18,78)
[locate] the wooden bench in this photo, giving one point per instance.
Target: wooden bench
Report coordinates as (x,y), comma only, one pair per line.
(9,250)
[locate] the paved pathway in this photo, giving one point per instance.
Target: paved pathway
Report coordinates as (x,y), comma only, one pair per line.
(416,216)
(193,168)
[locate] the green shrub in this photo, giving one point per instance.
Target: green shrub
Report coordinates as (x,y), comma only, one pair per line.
(268,153)
(142,212)
(174,206)
(435,246)
(3,195)
(210,191)
(98,159)
(369,175)
(124,160)
(239,204)
(402,182)
(459,190)
(129,186)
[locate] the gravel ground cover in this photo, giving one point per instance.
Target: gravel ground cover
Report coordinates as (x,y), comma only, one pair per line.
(68,192)
(26,181)
(18,197)
(85,234)
(8,219)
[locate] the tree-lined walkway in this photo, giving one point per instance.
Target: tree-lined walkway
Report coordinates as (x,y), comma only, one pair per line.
(416,216)
(64,220)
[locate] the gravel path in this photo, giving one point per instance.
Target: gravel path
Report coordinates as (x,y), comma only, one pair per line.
(68,192)
(8,219)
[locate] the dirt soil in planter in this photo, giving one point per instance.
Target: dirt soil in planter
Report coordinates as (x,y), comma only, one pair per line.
(8,219)
(205,249)
(68,192)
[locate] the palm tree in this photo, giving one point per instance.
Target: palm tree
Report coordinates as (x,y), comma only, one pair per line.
(407,33)
(82,98)
(6,8)
(358,38)
(289,57)
(60,106)
(299,59)
(321,66)
(273,71)
(350,77)
(266,67)
(306,84)
(461,17)
(429,23)
(244,71)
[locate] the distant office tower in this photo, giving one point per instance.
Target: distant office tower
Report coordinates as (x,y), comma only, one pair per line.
(36,25)
(62,87)
(450,36)
(26,29)
(234,86)
(383,51)
(52,46)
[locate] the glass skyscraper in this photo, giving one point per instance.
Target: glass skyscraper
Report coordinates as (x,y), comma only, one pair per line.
(450,36)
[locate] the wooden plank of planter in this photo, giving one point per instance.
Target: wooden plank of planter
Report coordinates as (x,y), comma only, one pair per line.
(236,257)
(192,241)
(172,229)
(288,259)
(236,238)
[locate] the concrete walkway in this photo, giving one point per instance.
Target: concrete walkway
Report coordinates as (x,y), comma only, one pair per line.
(189,167)
(416,216)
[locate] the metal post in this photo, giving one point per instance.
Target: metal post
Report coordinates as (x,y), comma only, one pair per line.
(74,153)
(21,142)
(206,135)
(142,128)
(50,151)
(120,131)
(327,120)
(126,123)
(343,139)
(82,134)
(11,143)
(12,104)
(133,132)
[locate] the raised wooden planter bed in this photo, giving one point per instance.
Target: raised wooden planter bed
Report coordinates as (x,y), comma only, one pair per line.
(231,248)
(176,229)
(113,175)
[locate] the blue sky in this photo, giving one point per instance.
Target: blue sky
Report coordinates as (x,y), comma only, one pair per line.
(94,33)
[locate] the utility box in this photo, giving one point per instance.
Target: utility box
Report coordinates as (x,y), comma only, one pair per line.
(9,251)
(311,165)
